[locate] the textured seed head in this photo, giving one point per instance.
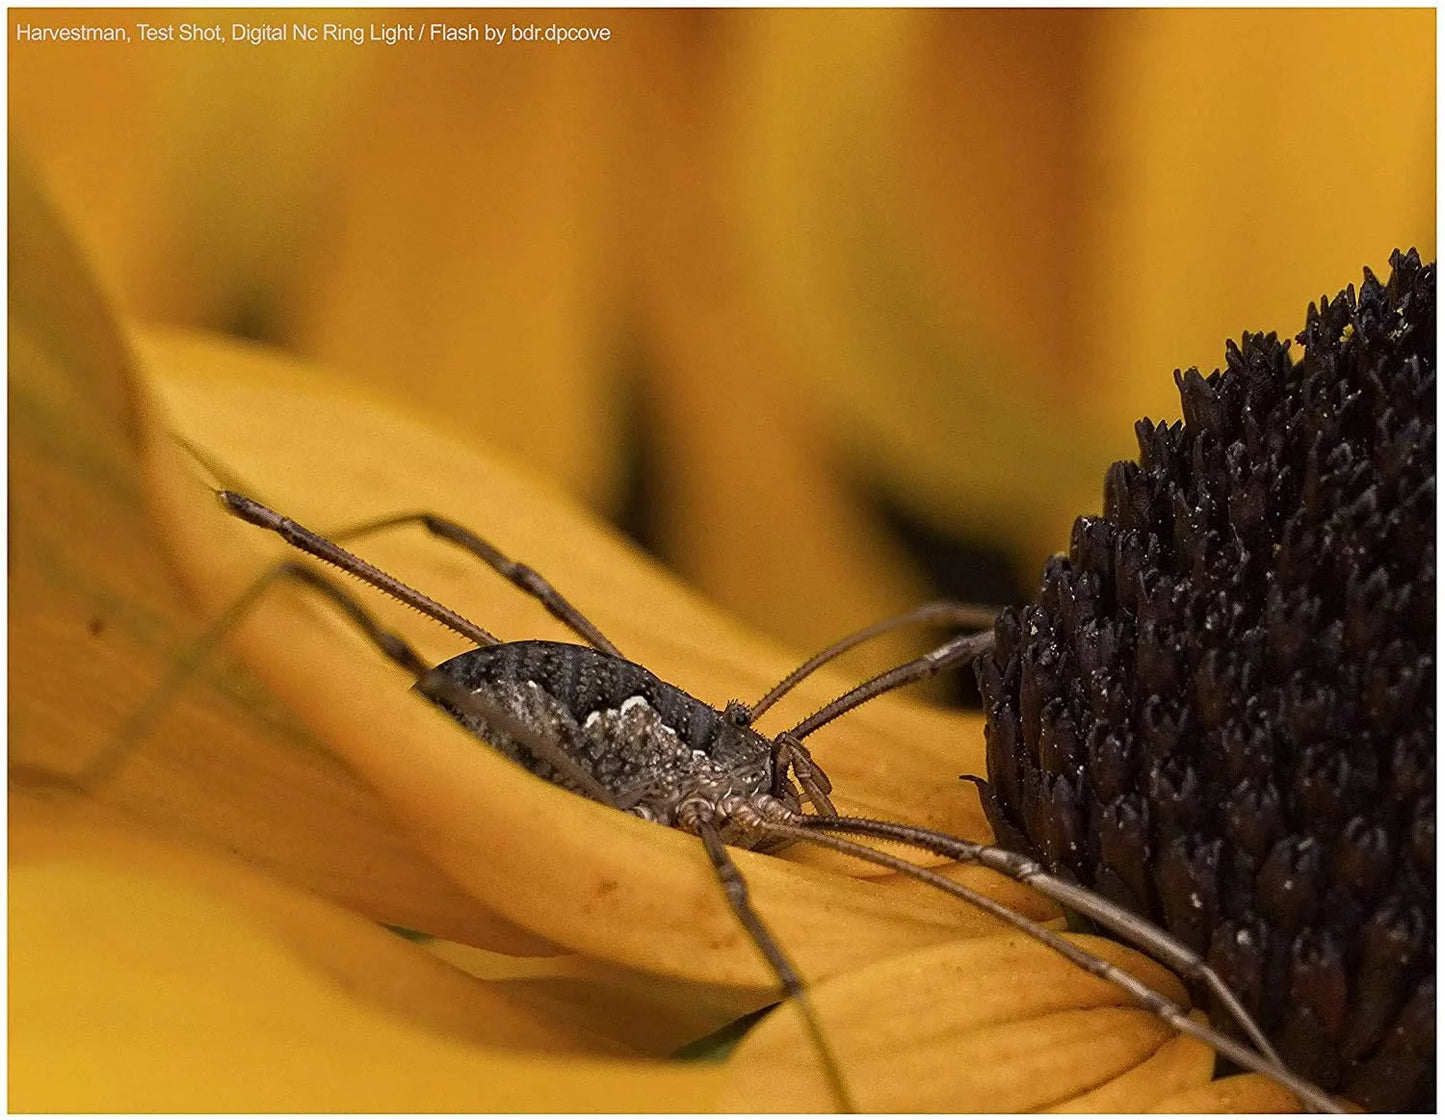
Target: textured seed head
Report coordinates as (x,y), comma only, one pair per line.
(1220,708)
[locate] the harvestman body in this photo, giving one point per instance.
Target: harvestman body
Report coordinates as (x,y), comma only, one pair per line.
(586,718)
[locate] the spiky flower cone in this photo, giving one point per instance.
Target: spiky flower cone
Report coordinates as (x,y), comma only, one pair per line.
(1220,708)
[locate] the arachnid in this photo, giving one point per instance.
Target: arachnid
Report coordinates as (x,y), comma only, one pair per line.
(620,746)
(1219,710)
(586,718)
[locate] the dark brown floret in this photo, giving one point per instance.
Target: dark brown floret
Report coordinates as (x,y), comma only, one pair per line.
(1220,708)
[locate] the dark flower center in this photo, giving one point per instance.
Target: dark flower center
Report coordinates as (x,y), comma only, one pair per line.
(1220,708)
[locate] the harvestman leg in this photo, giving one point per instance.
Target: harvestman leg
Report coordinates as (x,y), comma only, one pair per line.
(697,819)
(790,755)
(805,829)
(519,574)
(944,612)
(954,653)
(323,548)
(959,652)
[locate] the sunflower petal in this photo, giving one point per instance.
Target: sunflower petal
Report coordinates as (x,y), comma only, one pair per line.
(190,1007)
(993,1024)
(655,1015)
(598,881)
(1181,1064)
(72,837)
(1245,1092)
(97,620)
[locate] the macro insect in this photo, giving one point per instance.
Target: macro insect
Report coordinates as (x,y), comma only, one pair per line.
(586,718)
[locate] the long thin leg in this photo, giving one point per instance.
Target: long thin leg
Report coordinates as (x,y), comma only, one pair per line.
(735,887)
(298,536)
(324,548)
(520,575)
(1133,929)
(1140,993)
(957,652)
(943,612)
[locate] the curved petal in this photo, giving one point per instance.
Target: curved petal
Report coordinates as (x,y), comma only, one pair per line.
(656,1015)
(1246,1092)
(191,1007)
(56,838)
(598,881)
(1181,1064)
(993,1024)
(96,620)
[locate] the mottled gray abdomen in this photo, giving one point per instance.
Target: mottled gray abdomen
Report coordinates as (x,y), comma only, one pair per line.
(647,742)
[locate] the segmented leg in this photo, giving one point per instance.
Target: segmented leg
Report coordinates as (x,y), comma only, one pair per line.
(954,653)
(807,830)
(1133,929)
(324,549)
(791,757)
(298,536)
(696,819)
(943,612)
(518,574)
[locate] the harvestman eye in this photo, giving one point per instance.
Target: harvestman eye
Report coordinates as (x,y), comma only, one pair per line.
(584,717)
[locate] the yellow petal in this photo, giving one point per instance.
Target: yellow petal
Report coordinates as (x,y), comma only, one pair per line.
(655,1015)
(1181,1064)
(130,994)
(97,618)
(993,1024)
(58,834)
(598,881)
(1246,1092)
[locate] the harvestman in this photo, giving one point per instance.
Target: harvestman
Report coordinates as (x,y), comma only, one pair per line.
(586,718)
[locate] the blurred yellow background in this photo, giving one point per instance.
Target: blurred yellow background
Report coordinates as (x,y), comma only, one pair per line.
(744,280)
